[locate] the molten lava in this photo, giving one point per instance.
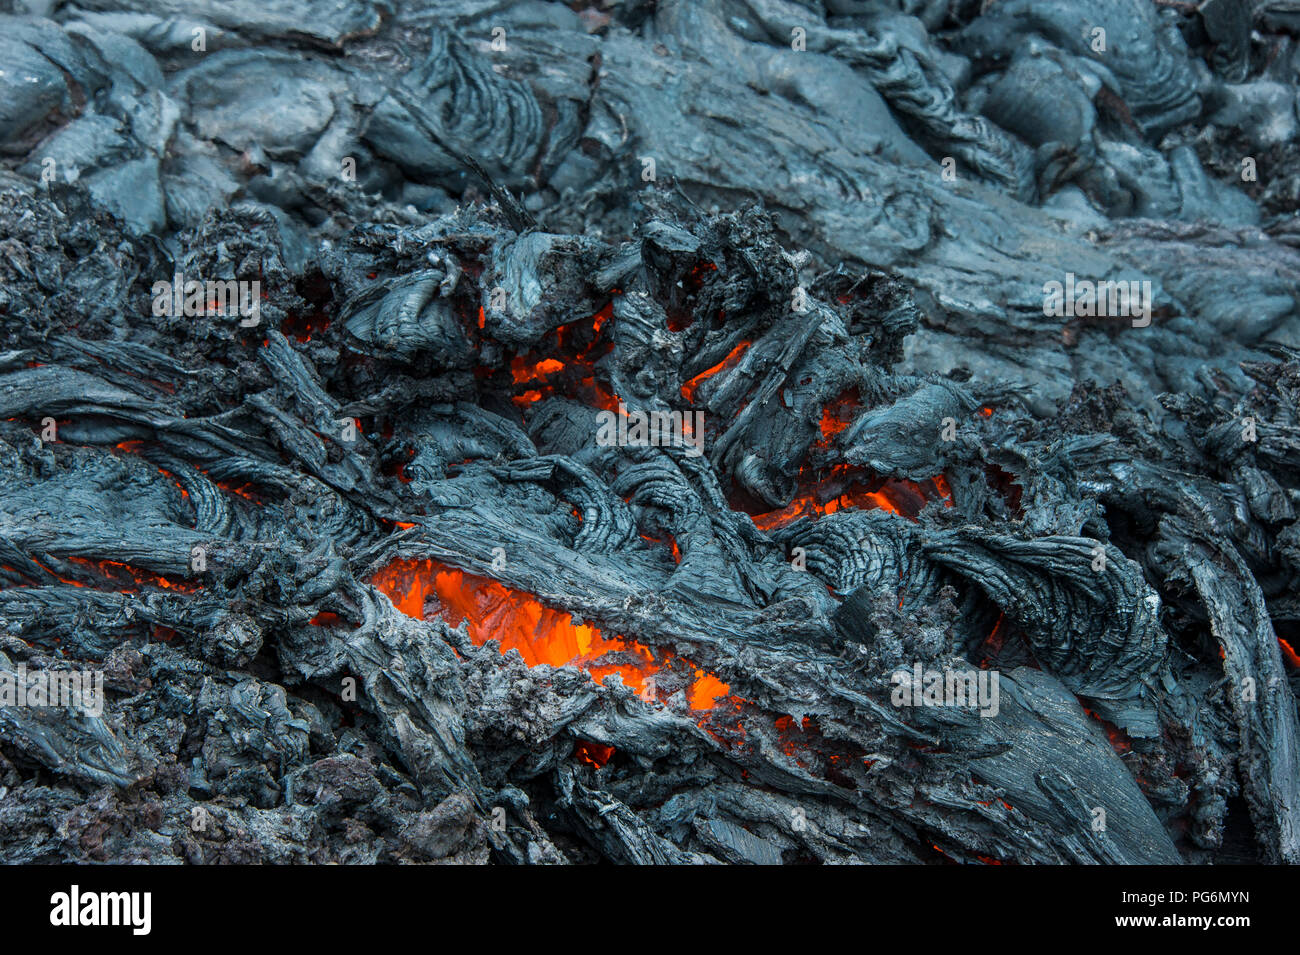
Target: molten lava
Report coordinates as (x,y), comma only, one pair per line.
(1288,653)
(732,359)
(1119,740)
(523,371)
(844,489)
(593,754)
(115,575)
(564,364)
(519,621)
(837,416)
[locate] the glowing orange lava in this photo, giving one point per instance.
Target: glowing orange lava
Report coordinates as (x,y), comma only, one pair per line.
(837,416)
(519,621)
(1289,653)
(115,575)
(564,364)
(523,371)
(593,754)
(732,359)
(1119,740)
(841,490)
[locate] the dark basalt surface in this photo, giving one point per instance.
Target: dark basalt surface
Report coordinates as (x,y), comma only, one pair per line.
(840,260)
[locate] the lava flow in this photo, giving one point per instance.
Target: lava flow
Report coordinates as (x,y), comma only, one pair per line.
(564,365)
(845,488)
(111,575)
(732,359)
(519,621)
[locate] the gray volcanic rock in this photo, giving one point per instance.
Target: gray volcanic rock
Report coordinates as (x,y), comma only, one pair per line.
(625,431)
